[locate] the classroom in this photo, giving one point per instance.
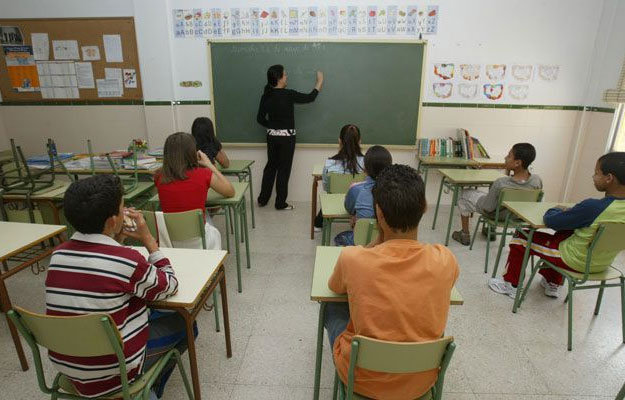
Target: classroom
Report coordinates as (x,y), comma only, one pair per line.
(382,199)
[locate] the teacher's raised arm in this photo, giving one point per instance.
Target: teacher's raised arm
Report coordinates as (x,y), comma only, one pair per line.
(276,113)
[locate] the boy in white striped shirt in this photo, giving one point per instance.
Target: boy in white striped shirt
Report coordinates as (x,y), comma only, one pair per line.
(93,272)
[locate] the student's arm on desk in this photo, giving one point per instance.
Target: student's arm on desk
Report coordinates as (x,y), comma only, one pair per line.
(218,182)
(579,216)
(336,283)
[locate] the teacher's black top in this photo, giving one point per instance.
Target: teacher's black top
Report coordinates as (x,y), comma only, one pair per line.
(276,108)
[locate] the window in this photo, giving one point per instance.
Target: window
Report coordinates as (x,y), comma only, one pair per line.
(617,142)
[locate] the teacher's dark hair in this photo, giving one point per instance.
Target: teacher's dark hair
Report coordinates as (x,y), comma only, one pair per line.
(350,149)
(274,73)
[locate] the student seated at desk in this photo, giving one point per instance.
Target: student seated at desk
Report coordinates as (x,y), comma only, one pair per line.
(575,227)
(349,160)
(204,134)
(93,272)
(517,162)
(398,288)
(185,178)
(359,198)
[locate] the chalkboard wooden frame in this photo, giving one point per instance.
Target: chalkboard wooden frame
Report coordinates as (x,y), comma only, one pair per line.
(319,40)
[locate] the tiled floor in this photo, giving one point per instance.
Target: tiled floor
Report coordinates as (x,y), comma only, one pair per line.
(500,355)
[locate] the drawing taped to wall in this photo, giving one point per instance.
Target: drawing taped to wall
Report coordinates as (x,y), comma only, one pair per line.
(518,92)
(442,90)
(470,72)
(493,92)
(548,73)
(444,71)
(522,73)
(496,72)
(467,90)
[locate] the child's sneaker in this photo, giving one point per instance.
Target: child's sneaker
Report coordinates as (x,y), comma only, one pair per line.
(500,286)
(461,237)
(551,289)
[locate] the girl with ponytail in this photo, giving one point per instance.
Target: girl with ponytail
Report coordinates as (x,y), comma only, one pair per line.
(276,113)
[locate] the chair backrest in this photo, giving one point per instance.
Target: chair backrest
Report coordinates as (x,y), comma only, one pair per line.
(365,230)
(79,336)
(509,194)
(339,183)
(609,237)
(399,357)
(180,226)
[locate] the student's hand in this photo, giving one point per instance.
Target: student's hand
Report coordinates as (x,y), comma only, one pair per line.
(352,221)
(142,233)
(204,161)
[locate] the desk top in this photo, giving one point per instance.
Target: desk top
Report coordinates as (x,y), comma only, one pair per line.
(194,269)
(215,199)
(317,170)
(54,192)
(325,260)
(457,161)
(236,167)
(332,205)
(471,176)
(532,213)
(141,188)
(16,237)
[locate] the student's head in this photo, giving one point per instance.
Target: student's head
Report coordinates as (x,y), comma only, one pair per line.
(399,198)
(376,159)
(95,204)
(609,171)
(520,156)
(275,75)
(179,155)
(203,132)
(349,148)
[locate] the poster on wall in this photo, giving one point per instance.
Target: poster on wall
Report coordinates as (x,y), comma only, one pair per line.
(21,68)
(10,35)
(309,21)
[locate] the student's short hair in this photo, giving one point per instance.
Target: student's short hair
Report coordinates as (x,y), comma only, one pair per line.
(89,202)
(376,159)
(399,191)
(613,163)
(524,152)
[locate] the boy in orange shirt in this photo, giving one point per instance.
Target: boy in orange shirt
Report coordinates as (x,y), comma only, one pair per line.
(398,288)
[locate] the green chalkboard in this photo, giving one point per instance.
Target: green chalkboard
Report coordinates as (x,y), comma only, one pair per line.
(375,85)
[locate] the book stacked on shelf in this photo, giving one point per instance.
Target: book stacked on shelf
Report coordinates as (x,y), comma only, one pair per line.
(463,146)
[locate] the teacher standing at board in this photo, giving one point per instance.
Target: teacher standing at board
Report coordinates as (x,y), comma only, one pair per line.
(276,113)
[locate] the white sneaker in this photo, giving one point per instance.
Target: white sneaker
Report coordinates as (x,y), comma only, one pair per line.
(317,229)
(551,289)
(500,286)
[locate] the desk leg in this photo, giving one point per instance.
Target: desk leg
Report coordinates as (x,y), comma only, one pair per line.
(425,176)
(5,306)
(249,174)
(227,216)
(438,202)
(454,200)
(236,246)
(195,378)
(319,355)
(526,256)
(245,233)
(224,308)
(313,207)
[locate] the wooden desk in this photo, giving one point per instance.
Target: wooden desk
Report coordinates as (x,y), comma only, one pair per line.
(427,162)
(17,241)
(242,169)
(237,205)
(332,208)
(325,260)
(198,273)
(456,179)
(316,174)
(531,215)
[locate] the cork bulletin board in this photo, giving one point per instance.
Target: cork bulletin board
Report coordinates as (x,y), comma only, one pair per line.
(85,58)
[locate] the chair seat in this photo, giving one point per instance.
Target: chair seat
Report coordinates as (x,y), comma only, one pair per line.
(134,387)
(426,396)
(608,274)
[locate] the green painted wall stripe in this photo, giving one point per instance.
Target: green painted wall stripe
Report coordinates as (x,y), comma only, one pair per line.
(208,102)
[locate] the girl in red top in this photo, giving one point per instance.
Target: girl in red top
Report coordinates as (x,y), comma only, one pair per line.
(186,176)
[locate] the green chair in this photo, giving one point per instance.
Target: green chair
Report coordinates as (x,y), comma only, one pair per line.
(609,238)
(340,183)
(491,224)
(365,230)
(180,227)
(90,335)
(397,358)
